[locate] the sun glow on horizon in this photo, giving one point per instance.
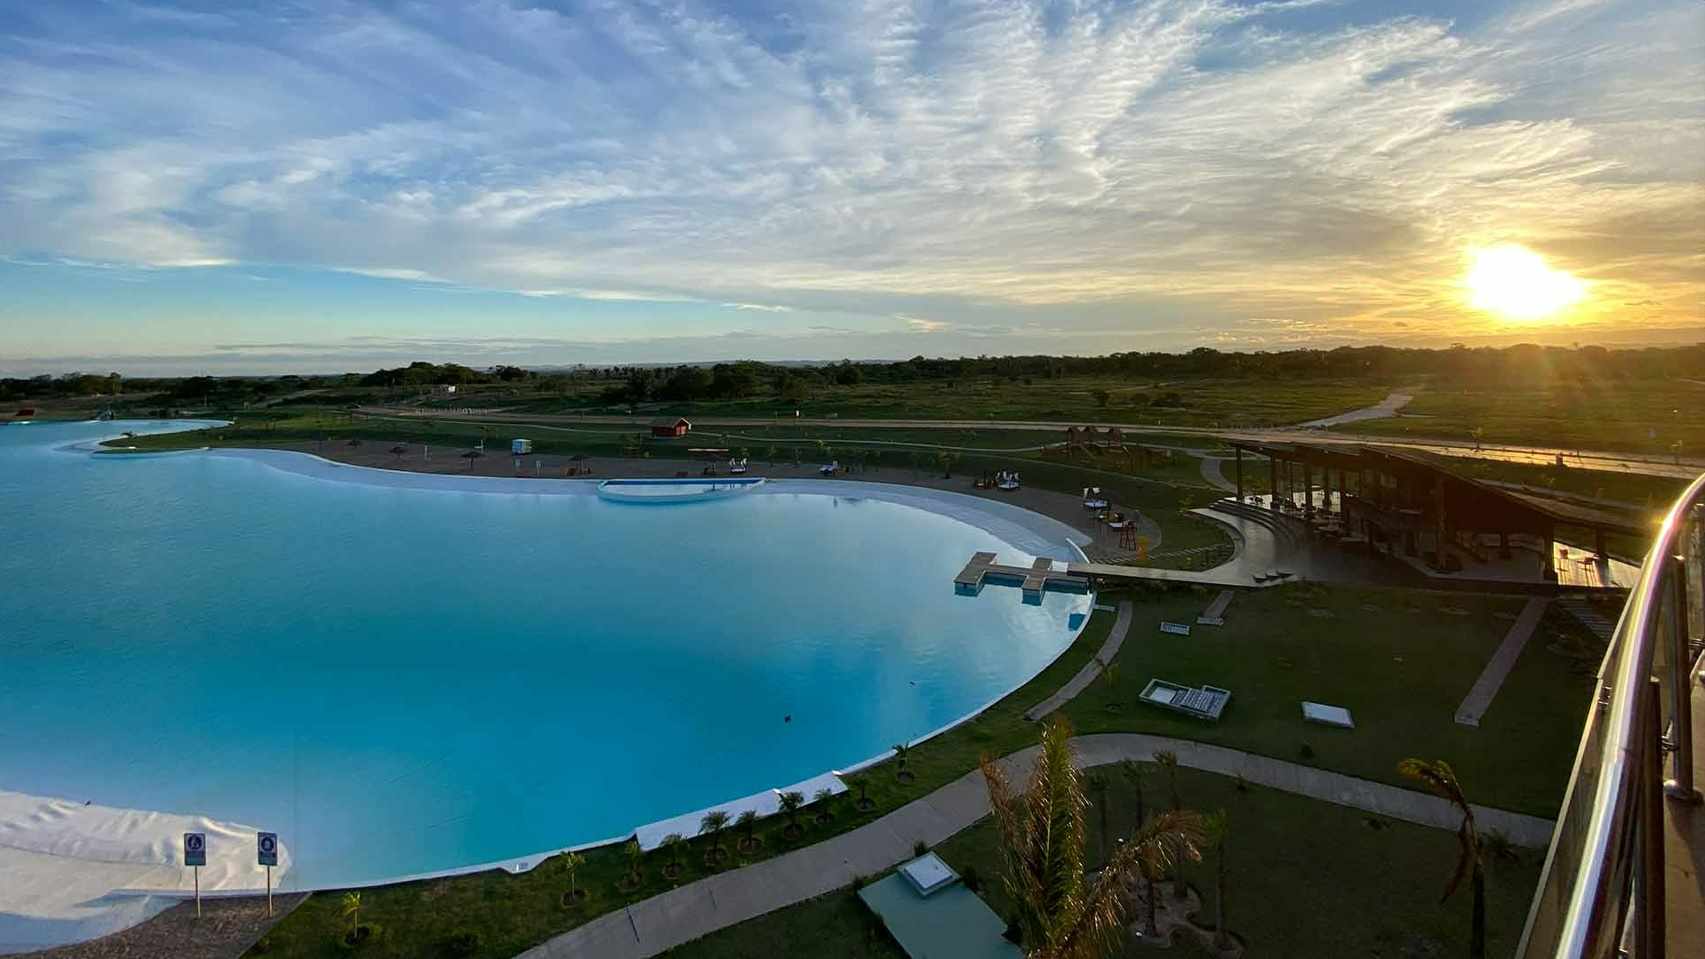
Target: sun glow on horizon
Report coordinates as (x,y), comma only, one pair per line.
(1516,283)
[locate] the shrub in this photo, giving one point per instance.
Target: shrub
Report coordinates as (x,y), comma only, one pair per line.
(920,847)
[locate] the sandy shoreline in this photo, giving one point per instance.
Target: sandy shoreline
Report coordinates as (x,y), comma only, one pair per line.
(1100,543)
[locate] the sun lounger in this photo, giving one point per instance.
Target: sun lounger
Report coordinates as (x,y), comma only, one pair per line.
(1327,715)
(1205,702)
(830,469)
(1176,629)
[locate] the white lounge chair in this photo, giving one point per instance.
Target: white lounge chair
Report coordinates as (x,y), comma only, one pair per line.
(830,469)
(1092,498)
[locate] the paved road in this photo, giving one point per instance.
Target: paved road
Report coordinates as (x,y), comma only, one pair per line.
(681,915)
(1611,462)
(1384,409)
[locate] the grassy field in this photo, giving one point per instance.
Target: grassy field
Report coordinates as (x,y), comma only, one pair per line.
(1641,416)
(1400,660)
(1199,402)
(1300,874)
(1396,668)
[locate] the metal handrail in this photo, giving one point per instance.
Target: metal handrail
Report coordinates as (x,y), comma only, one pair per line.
(1602,884)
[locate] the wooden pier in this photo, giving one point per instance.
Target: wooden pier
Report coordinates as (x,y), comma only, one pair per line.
(1079,577)
(1033,579)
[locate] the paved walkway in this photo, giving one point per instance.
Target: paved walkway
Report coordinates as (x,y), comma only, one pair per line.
(1385,408)
(1214,476)
(1091,669)
(681,915)
(1479,697)
(1214,615)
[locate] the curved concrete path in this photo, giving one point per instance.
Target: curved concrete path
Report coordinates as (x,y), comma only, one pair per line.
(1384,409)
(1214,476)
(1091,669)
(681,915)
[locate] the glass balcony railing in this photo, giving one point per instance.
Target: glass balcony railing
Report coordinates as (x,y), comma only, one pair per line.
(1602,892)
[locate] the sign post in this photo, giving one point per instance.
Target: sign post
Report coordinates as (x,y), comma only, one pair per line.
(266,850)
(195,856)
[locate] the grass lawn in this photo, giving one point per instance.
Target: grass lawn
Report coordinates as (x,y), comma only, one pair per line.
(1199,401)
(1401,660)
(1640,416)
(1303,878)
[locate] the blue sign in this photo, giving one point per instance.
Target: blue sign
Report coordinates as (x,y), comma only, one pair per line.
(195,849)
(266,846)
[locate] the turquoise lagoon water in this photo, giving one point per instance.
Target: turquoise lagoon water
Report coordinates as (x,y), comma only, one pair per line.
(402,680)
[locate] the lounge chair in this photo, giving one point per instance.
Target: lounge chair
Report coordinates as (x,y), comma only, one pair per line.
(1206,702)
(1092,498)
(829,469)
(1007,482)
(736,467)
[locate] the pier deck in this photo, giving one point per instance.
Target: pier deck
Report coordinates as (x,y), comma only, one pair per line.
(1034,579)
(1079,577)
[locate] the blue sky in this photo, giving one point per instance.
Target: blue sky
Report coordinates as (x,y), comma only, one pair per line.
(327,186)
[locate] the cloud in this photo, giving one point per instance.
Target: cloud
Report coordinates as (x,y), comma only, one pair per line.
(392,273)
(918,324)
(761,307)
(1213,158)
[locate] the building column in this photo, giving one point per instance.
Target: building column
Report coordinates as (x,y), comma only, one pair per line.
(1239,451)
(1273,468)
(1307,491)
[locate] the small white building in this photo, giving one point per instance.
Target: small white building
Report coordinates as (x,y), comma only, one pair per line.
(520,447)
(445,389)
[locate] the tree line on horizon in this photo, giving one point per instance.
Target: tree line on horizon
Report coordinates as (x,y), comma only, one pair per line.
(1515,366)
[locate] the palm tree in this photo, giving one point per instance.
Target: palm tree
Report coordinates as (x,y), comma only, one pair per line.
(1060,914)
(747,823)
(1440,780)
(714,822)
(864,802)
(1137,773)
(672,843)
(634,855)
(352,911)
(571,861)
(1168,762)
(790,802)
(900,771)
(823,800)
(1215,826)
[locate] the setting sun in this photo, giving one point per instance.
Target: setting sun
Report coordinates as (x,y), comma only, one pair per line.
(1515,282)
